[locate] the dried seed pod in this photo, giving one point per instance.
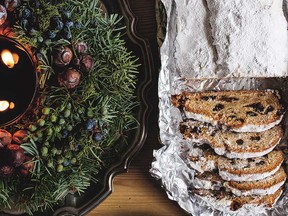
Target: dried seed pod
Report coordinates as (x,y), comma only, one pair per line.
(86,63)
(17,155)
(6,171)
(70,78)
(27,166)
(20,136)
(81,47)
(3,14)
(62,56)
(11,4)
(5,138)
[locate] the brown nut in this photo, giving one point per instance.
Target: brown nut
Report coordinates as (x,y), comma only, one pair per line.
(5,138)
(20,136)
(62,56)
(86,63)
(17,155)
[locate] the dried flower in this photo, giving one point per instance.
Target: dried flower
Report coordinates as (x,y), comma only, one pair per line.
(5,138)
(6,171)
(3,14)
(81,48)
(86,63)
(62,56)
(70,78)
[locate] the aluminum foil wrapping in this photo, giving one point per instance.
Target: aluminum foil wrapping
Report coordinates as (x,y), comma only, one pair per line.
(169,165)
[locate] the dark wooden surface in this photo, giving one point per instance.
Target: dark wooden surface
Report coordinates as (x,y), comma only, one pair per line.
(136,193)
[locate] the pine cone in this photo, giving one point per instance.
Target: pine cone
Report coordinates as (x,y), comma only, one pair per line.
(62,56)
(3,14)
(70,78)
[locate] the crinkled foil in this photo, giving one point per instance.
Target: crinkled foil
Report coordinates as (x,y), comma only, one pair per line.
(169,166)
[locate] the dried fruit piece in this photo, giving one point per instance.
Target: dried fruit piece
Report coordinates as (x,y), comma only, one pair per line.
(20,136)
(17,155)
(27,166)
(5,138)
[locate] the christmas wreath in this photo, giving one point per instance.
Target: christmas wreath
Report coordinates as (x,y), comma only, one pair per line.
(83,108)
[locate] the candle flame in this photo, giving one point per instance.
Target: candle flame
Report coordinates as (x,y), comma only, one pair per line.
(4,105)
(9,59)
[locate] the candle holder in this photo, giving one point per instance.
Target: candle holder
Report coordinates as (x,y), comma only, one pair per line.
(18,80)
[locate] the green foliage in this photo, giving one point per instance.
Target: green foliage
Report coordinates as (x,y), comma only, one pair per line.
(67,156)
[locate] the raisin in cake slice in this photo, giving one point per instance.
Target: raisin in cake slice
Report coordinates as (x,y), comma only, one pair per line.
(250,169)
(265,186)
(229,203)
(242,111)
(232,144)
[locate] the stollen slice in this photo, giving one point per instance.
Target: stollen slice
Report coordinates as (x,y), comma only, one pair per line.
(228,202)
(212,181)
(265,186)
(250,169)
(229,143)
(242,111)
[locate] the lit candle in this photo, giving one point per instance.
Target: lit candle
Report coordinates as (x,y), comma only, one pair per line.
(9,59)
(18,80)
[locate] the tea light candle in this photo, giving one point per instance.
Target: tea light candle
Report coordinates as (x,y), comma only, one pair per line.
(18,80)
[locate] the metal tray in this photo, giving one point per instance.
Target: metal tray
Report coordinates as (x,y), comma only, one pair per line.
(140,46)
